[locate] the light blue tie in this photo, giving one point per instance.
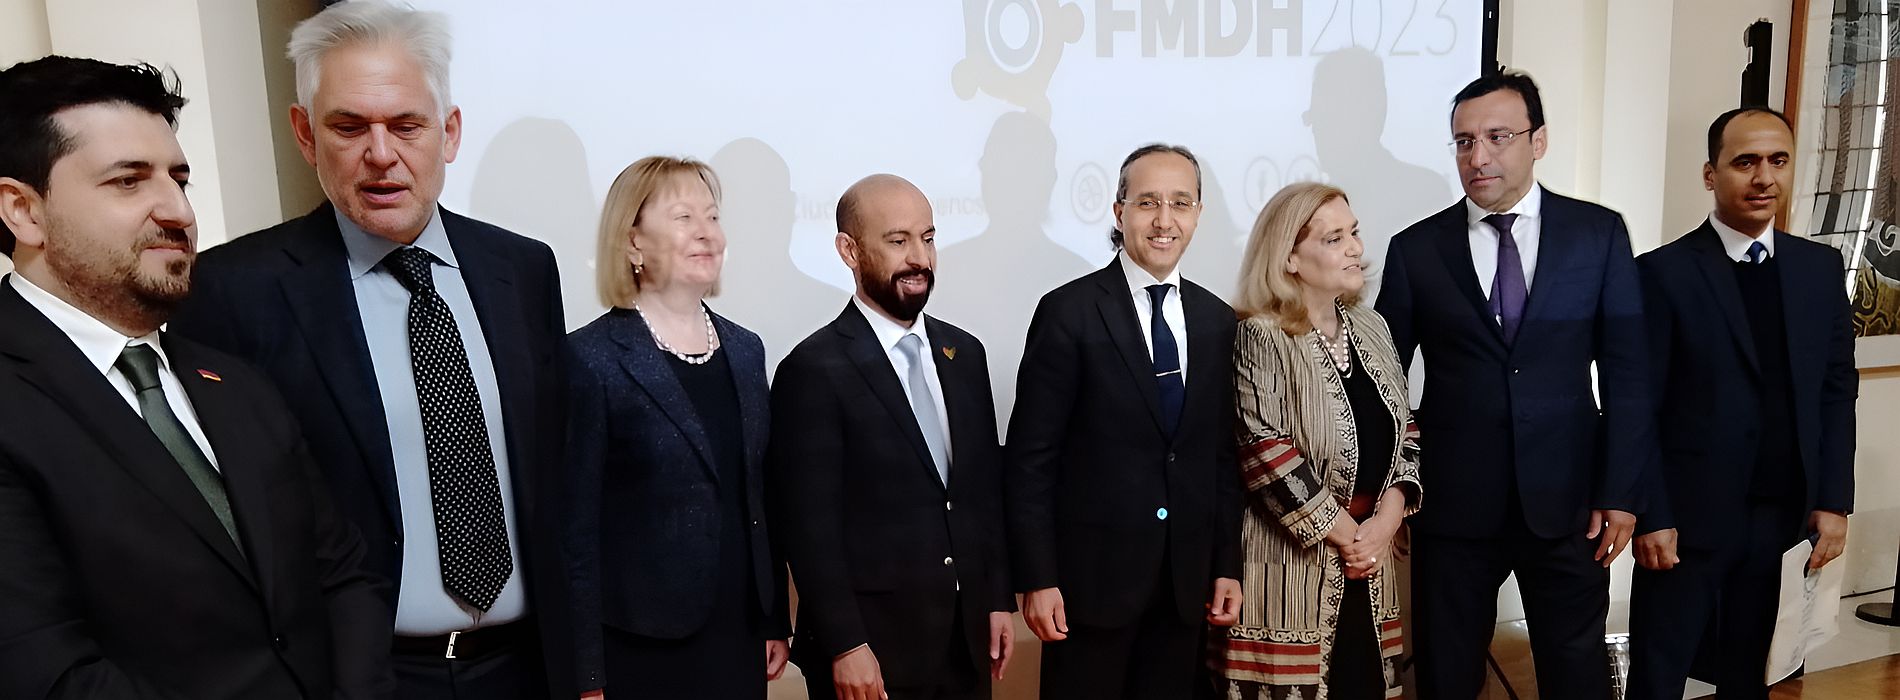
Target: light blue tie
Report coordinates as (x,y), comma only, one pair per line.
(923,406)
(1757,253)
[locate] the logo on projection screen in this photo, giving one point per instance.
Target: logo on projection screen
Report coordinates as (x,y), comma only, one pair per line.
(1011,48)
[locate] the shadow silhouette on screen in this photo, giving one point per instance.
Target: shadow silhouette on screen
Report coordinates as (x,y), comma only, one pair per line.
(532,180)
(989,284)
(762,288)
(1348,115)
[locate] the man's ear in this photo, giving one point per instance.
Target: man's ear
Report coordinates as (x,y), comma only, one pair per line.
(23,210)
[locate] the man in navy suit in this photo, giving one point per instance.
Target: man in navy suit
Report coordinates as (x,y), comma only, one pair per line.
(419,349)
(1513,294)
(1755,368)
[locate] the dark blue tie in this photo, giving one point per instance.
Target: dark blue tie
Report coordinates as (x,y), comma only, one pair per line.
(1167,360)
(1757,253)
(1508,290)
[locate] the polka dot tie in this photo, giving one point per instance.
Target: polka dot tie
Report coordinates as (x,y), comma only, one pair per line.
(471,536)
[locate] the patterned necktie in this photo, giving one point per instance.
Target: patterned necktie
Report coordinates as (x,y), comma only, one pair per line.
(1167,360)
(1508,290)
(471,535)
(139,364)
(923,405)
(1757,253)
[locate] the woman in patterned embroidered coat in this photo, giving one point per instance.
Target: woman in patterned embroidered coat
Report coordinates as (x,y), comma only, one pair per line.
(1329,457)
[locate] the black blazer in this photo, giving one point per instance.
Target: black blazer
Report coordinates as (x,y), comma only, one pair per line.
(1497,419)
(878,547)
(643,499)
(116,581)
(1708,378)
(1090,465)
(282,299)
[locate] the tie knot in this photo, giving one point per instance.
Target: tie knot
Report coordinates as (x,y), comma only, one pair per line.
(1757,253)
(413,268)
(139,363)
(1158,293)
(910,345)
(1502,222)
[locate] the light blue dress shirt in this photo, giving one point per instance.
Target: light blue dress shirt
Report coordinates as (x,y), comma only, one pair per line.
(424,607)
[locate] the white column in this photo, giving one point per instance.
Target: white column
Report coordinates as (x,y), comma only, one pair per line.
(213,46)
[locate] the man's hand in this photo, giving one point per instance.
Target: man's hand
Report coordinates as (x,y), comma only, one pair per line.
(1616,527)
(1832,527)
(1002,643)
(1042,609)
(1656,551)
(1223,609)
(1372,545)
(776,652)
(856,675)
(594,694)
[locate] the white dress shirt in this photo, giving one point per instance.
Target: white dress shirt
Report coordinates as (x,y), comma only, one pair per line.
(1526,230)
(102,346)
(1171,312)
(889,334)
(1736,242)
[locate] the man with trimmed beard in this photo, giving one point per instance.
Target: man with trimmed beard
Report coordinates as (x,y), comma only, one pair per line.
(163,532)
(886,469)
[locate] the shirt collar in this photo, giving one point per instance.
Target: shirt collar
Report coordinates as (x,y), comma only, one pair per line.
(100,344)
(367,250)
(1530,207)
(1736,243)
(1139,280)
(888,332)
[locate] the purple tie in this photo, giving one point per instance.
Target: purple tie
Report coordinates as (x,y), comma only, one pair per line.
(1507,286)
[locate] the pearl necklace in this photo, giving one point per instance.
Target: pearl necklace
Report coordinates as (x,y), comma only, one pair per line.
(1337,347)
(712,338)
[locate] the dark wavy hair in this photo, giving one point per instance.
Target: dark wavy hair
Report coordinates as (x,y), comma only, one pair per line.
(31,93)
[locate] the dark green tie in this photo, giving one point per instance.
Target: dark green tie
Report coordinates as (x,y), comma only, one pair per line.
(139,363)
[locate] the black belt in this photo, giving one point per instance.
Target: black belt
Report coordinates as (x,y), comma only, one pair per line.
(467,644)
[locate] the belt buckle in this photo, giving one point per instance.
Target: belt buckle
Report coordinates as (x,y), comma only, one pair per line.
(450,653)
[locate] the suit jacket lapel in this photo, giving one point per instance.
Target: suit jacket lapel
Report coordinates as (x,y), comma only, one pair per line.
(1805,328)
(754,396)
(323,302)
(1454,247)
(226,418)
(54,365)
(1555,248)
(491,287)
(1203,356)
(648,368)
(959,395)
(1117,307)
(874,365)
(1717,273)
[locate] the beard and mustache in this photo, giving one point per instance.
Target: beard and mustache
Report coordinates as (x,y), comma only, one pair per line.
(899,304)
(113,280)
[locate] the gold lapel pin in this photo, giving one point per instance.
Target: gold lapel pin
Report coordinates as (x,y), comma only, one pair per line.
(949,353)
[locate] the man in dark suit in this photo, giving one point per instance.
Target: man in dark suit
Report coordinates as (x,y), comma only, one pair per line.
(1754,345)
(1513,294)
(163,532)
(420,351)
(887,473)
(1124,494)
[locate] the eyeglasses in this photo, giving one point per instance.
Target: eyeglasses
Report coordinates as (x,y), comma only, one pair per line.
(1180,207)
(1499,140)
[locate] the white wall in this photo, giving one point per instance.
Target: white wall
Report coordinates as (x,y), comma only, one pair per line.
(22,37)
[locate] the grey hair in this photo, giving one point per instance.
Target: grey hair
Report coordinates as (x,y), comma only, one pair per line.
(425,35)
